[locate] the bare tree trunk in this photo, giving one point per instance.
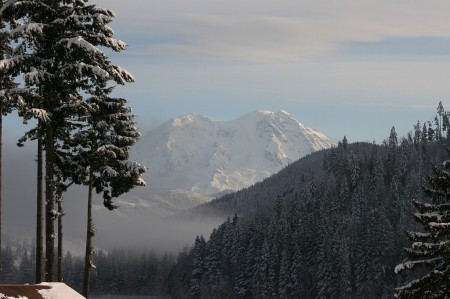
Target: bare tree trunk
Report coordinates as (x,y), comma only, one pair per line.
(50,212)
(1,150)
(39,215)
(60,237)
(90,231)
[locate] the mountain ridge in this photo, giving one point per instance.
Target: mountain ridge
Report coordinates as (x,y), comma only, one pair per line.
(196,154)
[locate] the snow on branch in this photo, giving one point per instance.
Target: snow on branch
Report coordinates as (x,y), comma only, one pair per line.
(133,168)
(105,12)
(141,182)
(28,28)
(419,235)
(81,43)
(98,71)
(122,75)
(33,76)
(7,63)
(109,171)
(116,44)
(411,288)
(426,247)
(109,150)
(442,225)
(126,139)
(102,18)
(40,114)
(411,264)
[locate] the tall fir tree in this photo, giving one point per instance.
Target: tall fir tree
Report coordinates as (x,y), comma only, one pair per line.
(430,250)
(103,149)
(62,64)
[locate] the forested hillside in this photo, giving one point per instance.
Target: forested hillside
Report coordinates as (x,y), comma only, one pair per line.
(331,225)
(328,226)
(254,198)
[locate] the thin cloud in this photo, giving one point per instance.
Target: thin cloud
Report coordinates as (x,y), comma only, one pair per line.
(262,30)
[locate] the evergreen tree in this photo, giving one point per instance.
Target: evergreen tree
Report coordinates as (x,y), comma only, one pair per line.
(446,124)
(424,133)
(417,133)
(104,150)
(198,266)
(437,129)
(393,140)
(248,256)
(62,65)
(430,249)
(441,113)
(431,132)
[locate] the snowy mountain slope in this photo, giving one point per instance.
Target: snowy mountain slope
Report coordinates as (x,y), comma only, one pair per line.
(196,154)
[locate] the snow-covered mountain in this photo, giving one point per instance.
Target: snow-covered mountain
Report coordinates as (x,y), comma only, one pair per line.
(195,154)
(189,158)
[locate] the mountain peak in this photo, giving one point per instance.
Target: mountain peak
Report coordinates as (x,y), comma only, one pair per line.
(199,155)
(189,118)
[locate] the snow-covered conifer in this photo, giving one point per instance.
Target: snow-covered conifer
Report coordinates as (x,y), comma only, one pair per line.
(431,248)
(198,266)
(393,140)
(102,145)
(59,54)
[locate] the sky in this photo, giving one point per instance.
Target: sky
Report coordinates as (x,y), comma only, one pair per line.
(350,68)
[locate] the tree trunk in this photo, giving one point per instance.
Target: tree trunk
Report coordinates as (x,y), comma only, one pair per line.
(60,238)
(50,212)
(88,260)
(1,150)
(39,215)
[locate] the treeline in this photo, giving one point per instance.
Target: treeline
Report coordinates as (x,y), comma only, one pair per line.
(121,272)
(117,272)
(336,231)
(258,196)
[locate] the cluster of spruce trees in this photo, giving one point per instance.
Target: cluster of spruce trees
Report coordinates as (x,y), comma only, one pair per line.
(54,73)
(117,272)
(337,230)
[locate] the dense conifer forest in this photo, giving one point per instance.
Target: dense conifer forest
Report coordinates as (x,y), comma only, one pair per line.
(336,230)
(331,225)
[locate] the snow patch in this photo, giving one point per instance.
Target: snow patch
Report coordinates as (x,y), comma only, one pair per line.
(58,290)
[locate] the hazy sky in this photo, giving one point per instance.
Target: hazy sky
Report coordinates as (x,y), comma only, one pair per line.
(349,67)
